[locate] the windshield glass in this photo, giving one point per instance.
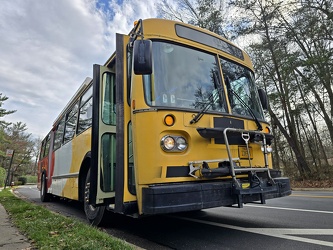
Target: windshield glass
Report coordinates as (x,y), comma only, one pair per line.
(240,84)
(184,78)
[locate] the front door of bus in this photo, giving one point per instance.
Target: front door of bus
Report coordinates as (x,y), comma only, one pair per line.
(103,148)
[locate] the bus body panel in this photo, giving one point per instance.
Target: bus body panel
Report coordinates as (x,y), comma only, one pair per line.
(159,167)
(67,163)
(124,67)
(152,29)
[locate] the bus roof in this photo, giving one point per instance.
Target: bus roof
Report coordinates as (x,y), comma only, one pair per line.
(77,94)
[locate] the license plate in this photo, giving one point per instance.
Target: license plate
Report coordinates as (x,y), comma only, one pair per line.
(242,152)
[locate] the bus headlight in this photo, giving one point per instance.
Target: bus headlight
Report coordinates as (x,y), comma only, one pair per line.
(171,143)
(168,143)
(181,143)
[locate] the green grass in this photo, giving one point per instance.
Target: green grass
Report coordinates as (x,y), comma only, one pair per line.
(47,230)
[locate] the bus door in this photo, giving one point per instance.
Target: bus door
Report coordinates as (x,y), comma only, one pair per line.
(103,147)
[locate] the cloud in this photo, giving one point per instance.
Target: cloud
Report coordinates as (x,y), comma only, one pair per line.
(48,47)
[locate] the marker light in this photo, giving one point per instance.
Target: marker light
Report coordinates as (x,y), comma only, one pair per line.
(267,130)
(169,120)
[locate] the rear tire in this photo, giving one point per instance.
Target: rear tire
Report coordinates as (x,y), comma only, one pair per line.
(44,196)
(94,214)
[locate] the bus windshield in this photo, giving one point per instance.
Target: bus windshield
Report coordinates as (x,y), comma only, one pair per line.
(242,92)
(184,78)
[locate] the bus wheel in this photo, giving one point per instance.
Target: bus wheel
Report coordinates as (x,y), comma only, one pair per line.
(94,214)
(44,196)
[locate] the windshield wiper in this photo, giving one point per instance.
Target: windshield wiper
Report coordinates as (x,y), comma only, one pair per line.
(211,99)
(247,107)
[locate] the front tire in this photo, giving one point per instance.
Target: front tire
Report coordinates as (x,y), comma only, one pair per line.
(94,214)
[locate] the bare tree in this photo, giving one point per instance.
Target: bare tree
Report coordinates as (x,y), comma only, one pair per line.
(208,14)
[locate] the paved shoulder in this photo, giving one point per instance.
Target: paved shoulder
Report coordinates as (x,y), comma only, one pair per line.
(11,238)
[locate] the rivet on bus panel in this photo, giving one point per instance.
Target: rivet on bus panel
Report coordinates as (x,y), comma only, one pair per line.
(133,104)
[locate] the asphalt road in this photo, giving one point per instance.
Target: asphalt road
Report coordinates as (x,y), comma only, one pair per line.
(303,220)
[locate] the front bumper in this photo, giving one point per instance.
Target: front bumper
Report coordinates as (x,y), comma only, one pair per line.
(171,198)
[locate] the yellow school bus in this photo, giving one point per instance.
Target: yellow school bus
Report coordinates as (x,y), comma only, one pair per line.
(172,122)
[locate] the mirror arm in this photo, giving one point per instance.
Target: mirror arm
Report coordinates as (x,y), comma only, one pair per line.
(136,31)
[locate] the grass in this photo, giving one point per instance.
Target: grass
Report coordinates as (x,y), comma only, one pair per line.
(47,230)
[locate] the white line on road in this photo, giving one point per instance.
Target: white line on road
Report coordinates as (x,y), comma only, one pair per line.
(276,232)
(290,209)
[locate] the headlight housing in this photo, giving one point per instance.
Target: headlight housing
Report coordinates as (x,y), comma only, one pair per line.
(171,143)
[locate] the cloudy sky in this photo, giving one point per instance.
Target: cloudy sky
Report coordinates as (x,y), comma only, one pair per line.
(48,47)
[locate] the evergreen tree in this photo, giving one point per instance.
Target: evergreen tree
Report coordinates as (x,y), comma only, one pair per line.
(3,125)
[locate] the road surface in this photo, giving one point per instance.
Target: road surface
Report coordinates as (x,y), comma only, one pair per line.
(303,220)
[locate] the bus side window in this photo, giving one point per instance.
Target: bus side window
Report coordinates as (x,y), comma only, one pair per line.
(59,134)
(42,148)
(108,166)
(71,118)
(109,99)
(108,140)
(85,113)
(47,146)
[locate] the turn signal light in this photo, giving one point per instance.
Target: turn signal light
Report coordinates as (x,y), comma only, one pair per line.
(267,130)
(169,120)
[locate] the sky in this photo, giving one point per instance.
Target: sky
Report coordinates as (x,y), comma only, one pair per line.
(48,48)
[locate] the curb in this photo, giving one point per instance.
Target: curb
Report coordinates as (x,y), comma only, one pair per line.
(11,238)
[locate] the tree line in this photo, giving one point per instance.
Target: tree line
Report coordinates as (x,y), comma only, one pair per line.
(14,136)
(291,46)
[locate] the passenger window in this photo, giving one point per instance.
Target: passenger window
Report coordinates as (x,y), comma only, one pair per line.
(71,118)
(109,99)
(59,134)
(85,114)
(47,146)
(42,149)
(108,164)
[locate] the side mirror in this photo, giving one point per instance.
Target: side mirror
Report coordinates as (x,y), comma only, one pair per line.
(142,57)
(263,98)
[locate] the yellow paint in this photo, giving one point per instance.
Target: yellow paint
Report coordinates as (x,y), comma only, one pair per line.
(81,145)
(150,160)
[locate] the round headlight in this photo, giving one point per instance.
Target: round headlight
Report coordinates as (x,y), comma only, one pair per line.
(167,143)
(181,143)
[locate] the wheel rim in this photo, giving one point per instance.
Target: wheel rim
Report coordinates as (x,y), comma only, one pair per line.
(91,210)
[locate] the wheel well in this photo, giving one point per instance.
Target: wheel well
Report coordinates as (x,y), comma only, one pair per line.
(82,175)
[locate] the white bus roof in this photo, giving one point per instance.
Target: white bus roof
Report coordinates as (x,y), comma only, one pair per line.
(75,97)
